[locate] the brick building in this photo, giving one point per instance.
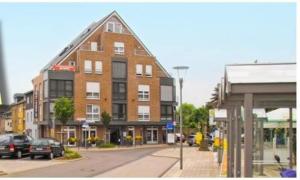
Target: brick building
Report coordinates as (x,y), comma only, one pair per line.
(106,68)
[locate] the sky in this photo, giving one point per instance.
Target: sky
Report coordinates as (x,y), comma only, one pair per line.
(203,36)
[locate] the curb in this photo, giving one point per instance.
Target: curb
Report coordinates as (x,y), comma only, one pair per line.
(69,160)
(163,173)
(118,148)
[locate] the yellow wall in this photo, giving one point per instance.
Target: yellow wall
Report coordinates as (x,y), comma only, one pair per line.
(18,117)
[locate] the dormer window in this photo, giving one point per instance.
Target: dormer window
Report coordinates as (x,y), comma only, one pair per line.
(114,27)
(110,26)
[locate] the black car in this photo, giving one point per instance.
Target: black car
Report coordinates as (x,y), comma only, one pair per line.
(48,147)
(14,145)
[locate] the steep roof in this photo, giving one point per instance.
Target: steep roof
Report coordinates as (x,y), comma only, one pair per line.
(82,37)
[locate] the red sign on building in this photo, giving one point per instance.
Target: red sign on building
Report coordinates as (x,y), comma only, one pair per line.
(63,68)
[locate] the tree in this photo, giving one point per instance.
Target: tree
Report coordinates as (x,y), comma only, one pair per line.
(106,118)
(63,111)
(187,111)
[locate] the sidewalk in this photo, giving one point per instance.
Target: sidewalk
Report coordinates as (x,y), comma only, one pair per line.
(165,163)
(195,163)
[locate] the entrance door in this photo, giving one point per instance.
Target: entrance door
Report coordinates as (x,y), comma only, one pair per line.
(115,136)
(131,133)
(152,135)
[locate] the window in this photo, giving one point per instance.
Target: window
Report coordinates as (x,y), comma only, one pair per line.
(148,70)
(119,48)
(139,69)
(143,113)
(88,66)
(98,67)
(93,46)
(118,28)
(119,70)
(92,90)
(166,93)
(119,112)
(166,112)
(119,91)
(60,88)
(72,63)
(114,27)
(143,92)
(110,27)
(92,112)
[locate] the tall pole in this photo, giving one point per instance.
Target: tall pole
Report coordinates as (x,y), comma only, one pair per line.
(181,161)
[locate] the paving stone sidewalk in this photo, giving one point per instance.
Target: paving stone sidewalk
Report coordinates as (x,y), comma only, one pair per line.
(195,163)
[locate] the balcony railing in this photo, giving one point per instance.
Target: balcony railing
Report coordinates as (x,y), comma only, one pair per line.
(88,47)
(140,52)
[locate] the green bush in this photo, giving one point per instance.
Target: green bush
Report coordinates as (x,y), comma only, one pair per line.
(70,154)
(107,145)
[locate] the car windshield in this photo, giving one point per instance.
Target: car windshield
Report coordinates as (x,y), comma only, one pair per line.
(41,142)
(4,139)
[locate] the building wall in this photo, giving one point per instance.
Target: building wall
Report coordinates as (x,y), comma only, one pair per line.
(18,117)
(31,127)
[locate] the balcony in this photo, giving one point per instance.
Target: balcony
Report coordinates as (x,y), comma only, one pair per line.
(89,47)
(140,52)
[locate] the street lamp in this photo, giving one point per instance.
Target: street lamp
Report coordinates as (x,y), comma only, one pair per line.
(181,71)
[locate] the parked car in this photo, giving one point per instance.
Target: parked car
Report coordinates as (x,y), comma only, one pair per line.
(191,139)
(14,145)
(47,147)
(178,137)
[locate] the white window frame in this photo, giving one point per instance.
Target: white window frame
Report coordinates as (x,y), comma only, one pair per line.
(113,26)
(137,69)
(121,27)
(148,74)
(142,114)
(93,114)
(94,46)
(100,69)
(92,94)
(86,69)
(143,92)
(119,48)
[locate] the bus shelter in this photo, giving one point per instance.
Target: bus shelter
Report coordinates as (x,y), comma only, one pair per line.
(248,92)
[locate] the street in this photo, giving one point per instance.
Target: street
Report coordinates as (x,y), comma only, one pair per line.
(92,164)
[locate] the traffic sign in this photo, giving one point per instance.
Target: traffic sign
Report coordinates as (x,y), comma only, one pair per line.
(170,125)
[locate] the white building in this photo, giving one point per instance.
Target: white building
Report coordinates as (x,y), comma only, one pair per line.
(30,126)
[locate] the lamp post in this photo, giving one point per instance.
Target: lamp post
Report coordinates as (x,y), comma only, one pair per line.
(181,70)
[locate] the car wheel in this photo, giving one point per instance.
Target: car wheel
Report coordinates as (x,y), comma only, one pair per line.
(62,153)
(19,154)
(51,155)
(32,157)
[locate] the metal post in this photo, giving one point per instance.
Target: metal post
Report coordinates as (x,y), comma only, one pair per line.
(231,144)
(248,139)
(261,145)
(238,141)
(291,137)
(181,155)
(229,140)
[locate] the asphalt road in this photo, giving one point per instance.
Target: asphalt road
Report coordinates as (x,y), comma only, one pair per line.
(92,164)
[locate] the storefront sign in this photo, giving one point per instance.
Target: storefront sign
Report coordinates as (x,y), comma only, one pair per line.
(63,68)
